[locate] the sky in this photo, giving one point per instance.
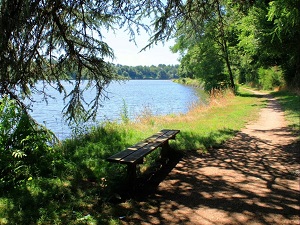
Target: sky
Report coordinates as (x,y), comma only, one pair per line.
(128,53)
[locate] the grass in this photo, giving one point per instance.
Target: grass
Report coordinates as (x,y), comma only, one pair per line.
(290,103)
(208,126)
(189,81)
(82,183)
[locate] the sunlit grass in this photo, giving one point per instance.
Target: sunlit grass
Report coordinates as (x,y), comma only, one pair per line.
(213,123)
(82,182)
(291,105)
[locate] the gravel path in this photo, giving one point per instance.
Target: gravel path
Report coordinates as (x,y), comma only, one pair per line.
(252,179)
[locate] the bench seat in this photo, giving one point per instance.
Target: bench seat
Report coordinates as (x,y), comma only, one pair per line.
(135,154)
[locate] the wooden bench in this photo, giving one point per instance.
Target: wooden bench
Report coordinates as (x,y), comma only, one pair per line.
(135,154)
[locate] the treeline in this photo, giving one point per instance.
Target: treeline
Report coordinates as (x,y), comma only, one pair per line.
(161,71)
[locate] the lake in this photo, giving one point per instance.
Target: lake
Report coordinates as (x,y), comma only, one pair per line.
(159,97)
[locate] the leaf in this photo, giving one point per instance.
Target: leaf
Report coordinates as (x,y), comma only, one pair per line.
(18,154)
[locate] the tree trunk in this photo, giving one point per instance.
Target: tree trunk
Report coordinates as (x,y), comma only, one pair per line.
(224,46)
(232,85)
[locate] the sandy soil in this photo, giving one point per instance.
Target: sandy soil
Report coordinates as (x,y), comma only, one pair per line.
(251,179)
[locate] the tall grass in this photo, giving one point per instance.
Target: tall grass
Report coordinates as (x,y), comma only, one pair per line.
(81,182)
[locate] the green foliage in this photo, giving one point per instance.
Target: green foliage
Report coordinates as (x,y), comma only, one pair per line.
(199,61)
(285,33)
(231,40)
(268,36)
(270,78)
(247,47)
(204,46)
(24,145)
(285,16)
(47,41)
(52,41)
(64,40)
(204,63)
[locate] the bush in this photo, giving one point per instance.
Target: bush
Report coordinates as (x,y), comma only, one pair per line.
(24,144)
(271,78)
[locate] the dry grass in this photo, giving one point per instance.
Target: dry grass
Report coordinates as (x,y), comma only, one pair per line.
(204,125)
(217,99)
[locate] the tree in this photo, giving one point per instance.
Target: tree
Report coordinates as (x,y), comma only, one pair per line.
(54,40)
(49,40)
(203,62)
(203,44)
(247,36)
(268,34)
(285,35)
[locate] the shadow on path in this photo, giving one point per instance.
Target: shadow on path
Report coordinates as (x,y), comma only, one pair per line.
(251,179)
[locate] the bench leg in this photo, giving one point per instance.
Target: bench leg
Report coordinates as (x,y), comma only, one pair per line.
(131,175)
(165,151)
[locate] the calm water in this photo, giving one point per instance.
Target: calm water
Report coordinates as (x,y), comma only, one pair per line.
(160,97)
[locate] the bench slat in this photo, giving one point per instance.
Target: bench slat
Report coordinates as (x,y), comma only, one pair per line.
(172,133)
(126,152)
(142,152)
(155,136)
(136,152)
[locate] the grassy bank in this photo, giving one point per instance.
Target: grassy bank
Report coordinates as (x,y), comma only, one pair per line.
(189,82)
(81,184)
(290,102)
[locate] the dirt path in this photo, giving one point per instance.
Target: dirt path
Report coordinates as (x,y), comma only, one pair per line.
(252,179)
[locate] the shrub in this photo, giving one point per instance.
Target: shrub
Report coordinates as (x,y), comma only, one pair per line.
(271,78)
(24,144)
